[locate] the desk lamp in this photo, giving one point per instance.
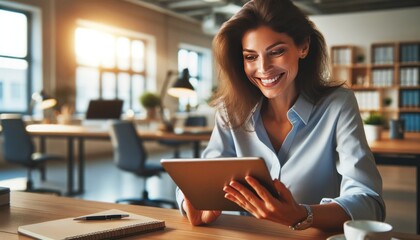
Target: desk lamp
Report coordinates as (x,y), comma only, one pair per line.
(43,99)
(182,87)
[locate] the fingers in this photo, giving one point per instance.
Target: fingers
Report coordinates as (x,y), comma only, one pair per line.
(210,216)
(261,191)
(198,217)
(242,196)
(283,191)
(191,212)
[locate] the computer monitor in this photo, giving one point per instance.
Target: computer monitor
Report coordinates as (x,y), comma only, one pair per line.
(104,109)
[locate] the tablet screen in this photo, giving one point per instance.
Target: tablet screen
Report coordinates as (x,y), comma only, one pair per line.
(202,180)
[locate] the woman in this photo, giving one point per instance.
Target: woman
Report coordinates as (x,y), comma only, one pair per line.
(274,101)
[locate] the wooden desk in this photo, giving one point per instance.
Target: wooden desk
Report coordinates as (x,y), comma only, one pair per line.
(80,133)
(400,152)
(29,208)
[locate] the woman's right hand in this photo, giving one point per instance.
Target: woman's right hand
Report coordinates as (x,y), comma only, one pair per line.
(199,217)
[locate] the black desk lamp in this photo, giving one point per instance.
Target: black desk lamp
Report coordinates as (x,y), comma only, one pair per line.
(182,87)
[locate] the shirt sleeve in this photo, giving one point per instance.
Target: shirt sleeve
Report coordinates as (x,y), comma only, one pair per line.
(221,141)
(361,185)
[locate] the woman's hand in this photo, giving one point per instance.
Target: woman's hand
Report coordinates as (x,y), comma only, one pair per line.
(263,205)
(198,217)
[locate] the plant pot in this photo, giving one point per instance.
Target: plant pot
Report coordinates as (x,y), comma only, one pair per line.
(372,132)
(151,113)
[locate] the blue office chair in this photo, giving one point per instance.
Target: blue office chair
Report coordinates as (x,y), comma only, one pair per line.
(18,148)
(130,155)
(191,121)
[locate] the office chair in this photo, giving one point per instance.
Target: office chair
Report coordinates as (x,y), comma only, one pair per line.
(130,155)
(19,149)
(191,121)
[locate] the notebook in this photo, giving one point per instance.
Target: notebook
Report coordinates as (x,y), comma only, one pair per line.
(68,228)
(4,196)
(202,180)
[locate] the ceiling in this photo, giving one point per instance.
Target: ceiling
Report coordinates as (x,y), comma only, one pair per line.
(214,12)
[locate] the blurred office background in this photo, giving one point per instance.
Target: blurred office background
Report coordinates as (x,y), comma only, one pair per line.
(78,50)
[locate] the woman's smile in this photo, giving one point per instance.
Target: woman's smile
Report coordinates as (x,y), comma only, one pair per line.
(271,81)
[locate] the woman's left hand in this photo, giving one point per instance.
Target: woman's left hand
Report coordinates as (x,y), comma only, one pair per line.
(263,205)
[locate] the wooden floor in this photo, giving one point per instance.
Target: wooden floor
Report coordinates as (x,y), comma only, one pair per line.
(104,182)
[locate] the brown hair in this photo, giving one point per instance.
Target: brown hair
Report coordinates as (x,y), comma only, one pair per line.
(236,94)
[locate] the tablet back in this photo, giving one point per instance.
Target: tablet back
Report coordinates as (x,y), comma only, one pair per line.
(202,180)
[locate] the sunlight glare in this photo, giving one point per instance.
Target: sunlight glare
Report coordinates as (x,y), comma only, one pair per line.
(94,48)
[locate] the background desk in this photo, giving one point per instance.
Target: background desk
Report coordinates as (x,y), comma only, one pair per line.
(28,208)
(400,152)
(81,133)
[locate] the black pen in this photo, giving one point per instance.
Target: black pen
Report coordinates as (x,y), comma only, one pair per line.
(102,217)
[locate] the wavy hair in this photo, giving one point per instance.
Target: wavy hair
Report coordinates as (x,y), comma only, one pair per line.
(236,95)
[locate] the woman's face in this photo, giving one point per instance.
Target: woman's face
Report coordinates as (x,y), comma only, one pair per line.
(271,60)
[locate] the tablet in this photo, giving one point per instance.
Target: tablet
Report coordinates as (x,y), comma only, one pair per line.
(202,180)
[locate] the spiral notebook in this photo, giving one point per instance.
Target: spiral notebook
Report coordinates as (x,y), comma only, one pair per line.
(68,228)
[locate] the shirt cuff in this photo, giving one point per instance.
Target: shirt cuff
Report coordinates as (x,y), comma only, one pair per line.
(331,200)
(180,201)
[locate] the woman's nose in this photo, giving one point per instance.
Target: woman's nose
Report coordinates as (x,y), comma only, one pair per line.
(264,64)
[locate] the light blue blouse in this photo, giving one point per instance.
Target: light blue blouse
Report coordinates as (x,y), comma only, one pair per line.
(324,158)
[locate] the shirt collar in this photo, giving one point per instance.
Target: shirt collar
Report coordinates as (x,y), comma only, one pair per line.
(302,108)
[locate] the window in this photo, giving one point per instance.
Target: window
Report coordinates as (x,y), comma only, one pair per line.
(195,58)
(15,61)
(111,65)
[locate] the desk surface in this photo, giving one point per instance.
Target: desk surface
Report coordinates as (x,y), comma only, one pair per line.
(28,208)
(58,130)
(410,144)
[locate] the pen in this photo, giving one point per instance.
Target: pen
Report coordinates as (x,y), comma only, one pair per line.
(102,217)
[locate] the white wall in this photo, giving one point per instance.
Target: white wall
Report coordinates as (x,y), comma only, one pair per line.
(363,29)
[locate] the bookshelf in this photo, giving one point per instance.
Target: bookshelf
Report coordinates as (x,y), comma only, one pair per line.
(389,84)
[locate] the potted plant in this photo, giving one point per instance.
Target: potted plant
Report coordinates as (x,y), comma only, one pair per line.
(373,125)
(150,101)
(387,101)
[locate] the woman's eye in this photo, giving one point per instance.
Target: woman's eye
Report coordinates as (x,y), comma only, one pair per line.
(277,52)
(249,57)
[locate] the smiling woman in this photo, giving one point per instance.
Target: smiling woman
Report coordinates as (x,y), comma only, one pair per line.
(296,32)
(274,101)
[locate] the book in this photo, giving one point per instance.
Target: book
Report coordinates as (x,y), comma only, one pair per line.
(4,196)
(68,228)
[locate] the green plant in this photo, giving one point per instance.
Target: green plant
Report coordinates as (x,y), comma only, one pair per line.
(387,101)
(374,119)
(149,100)
(360,58)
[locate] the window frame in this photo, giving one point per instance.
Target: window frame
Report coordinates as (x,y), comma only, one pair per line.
(28,58)
(146,74)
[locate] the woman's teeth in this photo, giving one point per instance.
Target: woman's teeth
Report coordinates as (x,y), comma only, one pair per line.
(268,81)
